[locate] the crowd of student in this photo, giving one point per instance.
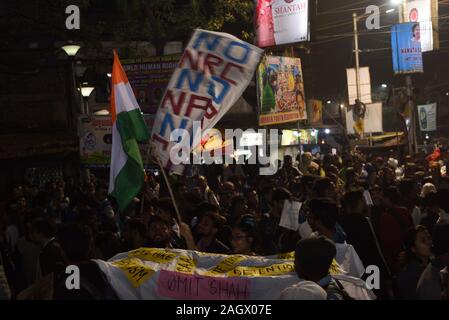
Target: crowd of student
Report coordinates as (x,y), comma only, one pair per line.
(361,211)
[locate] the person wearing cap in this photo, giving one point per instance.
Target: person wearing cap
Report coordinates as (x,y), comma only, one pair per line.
(432,284)
(208,228)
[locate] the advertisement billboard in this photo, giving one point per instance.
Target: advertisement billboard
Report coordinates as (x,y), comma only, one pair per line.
(95,133)
(427,117)
(280,90)
(406,47)
(149,78)
(281,22)
(424,12)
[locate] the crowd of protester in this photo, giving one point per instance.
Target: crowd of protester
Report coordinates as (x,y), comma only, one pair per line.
(391,212)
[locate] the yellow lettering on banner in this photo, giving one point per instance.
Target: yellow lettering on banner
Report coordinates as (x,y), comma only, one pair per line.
(153,255)
(185,264)
(136,272)
(287,256)
(268,271)
(226,265)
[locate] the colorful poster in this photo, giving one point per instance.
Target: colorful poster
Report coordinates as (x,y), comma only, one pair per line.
(213,72)
(161,274)
(406,47)
(427,117)
(425,12)
(372,121)
(95,133)
(149,78)
(280,91)
(281,22)
(315,112)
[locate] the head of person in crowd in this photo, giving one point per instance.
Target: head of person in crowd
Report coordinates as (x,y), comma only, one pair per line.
(159,232)
(430,204)
(444,182)
(77,242)
(134,234)
(440,237)
(106,245)
(426,189)
(351,176)
(237,182)
(238,208)
(307,182)
(228,187)
(324,188)
(408,190)
(166,209)
(372,174)
(313,168)
(313,258)
(417,245)
(267,193)
(253,200)
(288,161)
(328,160)
(443,196)
(278,199)
(209,229)
(387,176)
(323,216)
(306,159)
(353,202)
(202,183)
(42,230)
(379,163)
(376,192)
(210,223)
(391,197)
(179,190)
(244,236)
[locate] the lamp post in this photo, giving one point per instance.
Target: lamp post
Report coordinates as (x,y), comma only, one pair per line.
(86,92)
(71,50)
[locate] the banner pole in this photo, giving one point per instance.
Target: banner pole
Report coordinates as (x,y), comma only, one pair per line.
(169,189)
(147,162)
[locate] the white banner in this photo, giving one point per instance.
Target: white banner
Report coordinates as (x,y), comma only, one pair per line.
(164,274)
(291,21)
(421,11)
(213,72)
(372,121)
(427,117)
(365,85)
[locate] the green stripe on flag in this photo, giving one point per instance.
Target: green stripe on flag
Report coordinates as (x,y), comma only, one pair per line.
(129,182)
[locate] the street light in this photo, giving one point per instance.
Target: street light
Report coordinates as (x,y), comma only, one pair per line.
(327,131)
(329,102)
(390,10)
(86,92)
(397,2)
(384,85)
(71,49)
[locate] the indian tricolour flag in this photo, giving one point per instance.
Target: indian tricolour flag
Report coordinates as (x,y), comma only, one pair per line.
(128,127)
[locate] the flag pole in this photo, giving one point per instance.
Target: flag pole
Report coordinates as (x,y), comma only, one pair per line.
(170,190)
(172,196)
(147,162)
